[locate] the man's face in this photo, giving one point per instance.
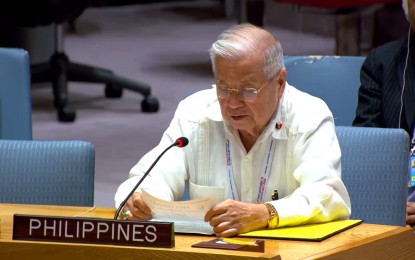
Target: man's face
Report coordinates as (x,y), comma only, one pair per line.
(248,116)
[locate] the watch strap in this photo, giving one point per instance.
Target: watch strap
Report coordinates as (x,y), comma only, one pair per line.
(274,218)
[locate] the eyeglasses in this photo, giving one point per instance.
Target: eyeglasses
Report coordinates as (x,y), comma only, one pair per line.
(247,93)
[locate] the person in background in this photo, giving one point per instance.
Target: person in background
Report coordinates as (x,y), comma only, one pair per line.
(250,135)
(387,91)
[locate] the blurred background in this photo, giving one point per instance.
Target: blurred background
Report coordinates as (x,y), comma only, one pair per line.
(165,44)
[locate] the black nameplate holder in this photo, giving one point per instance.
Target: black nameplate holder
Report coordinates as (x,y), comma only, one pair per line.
(93,231)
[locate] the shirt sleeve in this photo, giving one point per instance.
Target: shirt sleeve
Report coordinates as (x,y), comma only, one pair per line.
(166,180)
(321,195)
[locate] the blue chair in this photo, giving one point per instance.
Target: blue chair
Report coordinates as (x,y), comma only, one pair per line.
(375,167)
(47,172)
(334,79)
(15,95)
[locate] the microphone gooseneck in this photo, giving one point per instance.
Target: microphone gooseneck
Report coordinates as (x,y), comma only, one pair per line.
(180,142)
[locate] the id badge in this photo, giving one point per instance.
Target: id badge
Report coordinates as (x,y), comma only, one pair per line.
(411,171)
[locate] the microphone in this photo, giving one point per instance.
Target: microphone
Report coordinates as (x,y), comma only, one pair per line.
(180,142)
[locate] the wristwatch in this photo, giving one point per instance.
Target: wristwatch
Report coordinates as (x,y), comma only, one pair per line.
(274,219)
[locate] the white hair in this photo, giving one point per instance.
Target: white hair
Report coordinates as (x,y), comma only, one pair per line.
(241,39)
(405,8)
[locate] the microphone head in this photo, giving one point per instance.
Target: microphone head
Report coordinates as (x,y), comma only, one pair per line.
(182,142)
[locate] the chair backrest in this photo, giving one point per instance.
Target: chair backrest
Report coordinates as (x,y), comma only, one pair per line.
(15,95)
(375,167)
(334,79)
(47,172)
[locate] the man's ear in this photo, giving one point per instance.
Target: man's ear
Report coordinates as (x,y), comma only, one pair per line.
(405,9)
(282,81)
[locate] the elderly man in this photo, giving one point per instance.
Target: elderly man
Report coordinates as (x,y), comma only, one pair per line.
(250,135)
(387,91)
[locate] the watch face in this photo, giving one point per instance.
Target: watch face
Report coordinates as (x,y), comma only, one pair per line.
(273,222)
(274,219)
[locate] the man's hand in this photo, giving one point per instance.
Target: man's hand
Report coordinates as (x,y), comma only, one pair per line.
(231,217)
(138,209)
(410,213)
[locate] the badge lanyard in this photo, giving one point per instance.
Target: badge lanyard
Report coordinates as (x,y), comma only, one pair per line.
(411,183)
(266,169)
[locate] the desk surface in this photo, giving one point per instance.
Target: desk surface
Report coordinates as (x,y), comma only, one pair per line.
(365,241)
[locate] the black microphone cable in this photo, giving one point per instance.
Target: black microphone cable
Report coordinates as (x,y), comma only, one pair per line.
(180,142)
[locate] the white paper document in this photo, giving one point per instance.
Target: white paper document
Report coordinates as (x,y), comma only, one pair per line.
(188,216)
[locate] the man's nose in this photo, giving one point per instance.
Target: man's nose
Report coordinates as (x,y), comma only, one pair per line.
(235,99)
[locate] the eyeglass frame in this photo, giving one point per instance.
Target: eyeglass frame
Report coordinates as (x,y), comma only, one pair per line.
(229,91)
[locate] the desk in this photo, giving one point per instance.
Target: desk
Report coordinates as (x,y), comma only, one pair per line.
(366,241)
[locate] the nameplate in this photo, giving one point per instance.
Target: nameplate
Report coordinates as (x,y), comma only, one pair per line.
(93,231)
